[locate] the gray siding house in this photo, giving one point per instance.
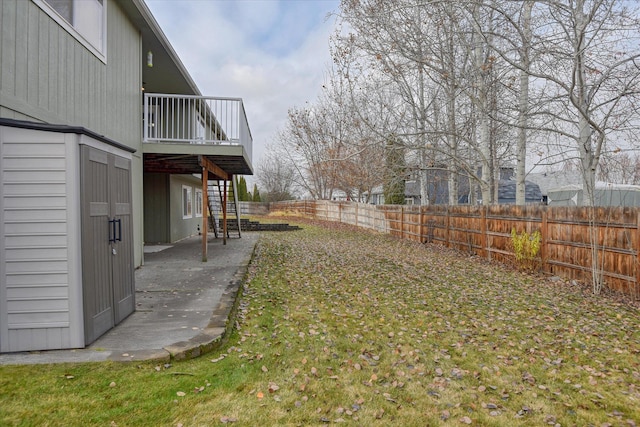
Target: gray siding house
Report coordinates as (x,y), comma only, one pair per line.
(105,141)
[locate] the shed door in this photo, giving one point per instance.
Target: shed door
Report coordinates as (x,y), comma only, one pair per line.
(107,249)
(122,247)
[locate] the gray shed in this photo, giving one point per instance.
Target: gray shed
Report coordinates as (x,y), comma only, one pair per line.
(66,256)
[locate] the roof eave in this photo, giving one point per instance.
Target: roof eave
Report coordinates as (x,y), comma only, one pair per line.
(154,39)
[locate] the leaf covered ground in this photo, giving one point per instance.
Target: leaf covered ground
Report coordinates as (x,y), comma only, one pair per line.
(338,325)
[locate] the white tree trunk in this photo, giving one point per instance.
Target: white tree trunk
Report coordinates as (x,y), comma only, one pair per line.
(424,185)
(453,186)
(482,106)
(585,146)
(523,102)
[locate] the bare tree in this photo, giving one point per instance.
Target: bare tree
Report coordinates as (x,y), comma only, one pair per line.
(620,167)
(433,57)
(586,76)
(276,177)
(328,146)
(587,66)
(457,82)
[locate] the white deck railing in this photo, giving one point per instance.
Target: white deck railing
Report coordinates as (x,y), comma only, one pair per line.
(196,120)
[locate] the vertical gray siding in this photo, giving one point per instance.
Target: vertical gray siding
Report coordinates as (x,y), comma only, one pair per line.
(181,227)
(47,75)
(163,208)
(156,208)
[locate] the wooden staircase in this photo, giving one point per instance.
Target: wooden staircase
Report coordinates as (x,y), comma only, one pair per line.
(217,209)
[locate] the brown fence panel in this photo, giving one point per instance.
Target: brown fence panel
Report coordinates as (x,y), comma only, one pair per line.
(465,229)
(392,216)
(436,224)
(570,246)
(412,223)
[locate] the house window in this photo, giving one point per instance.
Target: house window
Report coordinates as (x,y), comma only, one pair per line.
(198,203)
(84,19)
(186,202)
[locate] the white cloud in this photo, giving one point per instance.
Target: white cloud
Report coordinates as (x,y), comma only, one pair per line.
(273,54)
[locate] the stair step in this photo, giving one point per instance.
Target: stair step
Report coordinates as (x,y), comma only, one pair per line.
(247,225)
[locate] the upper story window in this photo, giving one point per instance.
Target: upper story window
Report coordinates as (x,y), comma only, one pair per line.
(84,19)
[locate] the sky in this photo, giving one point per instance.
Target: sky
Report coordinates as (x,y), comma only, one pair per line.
(272,53)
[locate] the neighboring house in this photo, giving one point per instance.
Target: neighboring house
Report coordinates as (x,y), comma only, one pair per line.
(606,194)
(438,186)
(439,194)
(103,135)
(377,195)
(555,179)
(564,188)
(507,192)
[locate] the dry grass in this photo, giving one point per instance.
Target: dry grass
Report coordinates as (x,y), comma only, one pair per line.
(342,326)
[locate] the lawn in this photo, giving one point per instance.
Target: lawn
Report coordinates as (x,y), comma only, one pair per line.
(344,326)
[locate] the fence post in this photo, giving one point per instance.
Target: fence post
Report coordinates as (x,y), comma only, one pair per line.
(421,224)
(401,222)
(446,234)
(356,213)
(543,239)
(483,235)
(637,255)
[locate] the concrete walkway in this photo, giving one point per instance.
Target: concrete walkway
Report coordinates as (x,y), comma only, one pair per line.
(182,305)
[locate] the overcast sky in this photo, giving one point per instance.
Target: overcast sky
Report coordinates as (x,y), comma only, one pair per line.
(272,53)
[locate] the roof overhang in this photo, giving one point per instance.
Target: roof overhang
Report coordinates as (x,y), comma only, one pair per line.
(168,74)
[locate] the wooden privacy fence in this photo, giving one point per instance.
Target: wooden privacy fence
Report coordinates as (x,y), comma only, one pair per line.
(566,248)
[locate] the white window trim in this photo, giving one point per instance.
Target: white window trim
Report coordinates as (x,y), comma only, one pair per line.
(198,202)
(101,51)
(189,205)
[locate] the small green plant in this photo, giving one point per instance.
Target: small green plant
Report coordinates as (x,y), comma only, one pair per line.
(526,248)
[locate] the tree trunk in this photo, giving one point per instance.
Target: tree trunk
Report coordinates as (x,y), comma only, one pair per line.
(585,131)
(523,102)
(482,107)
